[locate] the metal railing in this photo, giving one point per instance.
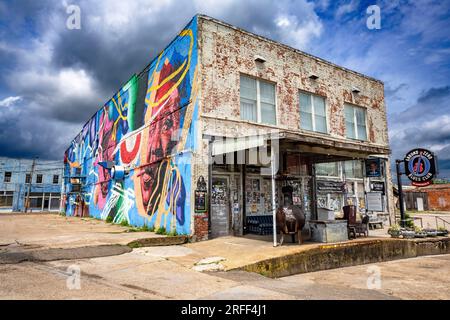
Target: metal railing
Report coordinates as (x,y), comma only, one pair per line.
(443,220)
(411,219)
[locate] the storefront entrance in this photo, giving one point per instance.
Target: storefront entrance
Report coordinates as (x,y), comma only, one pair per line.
(220,207)
(244,193)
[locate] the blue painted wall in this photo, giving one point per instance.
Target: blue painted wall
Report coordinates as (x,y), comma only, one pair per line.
(19,168)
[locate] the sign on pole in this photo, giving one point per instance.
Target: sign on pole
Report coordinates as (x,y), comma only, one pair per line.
(420,167)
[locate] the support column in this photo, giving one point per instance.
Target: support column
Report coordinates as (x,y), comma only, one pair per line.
(274,209)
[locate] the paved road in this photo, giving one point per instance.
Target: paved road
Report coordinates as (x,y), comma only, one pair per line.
(41,257)
(149,273)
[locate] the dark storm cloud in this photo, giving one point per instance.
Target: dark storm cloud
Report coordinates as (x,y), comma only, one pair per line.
(425,124)
(37,135)
(63,76)
(112,52)
(394,94)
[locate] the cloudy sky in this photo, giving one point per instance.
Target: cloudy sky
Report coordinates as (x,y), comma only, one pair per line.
(53,79)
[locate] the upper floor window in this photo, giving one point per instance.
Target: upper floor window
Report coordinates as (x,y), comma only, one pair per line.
(39,178)
(257,100)
(55,179)
(313,114)
(8,176)
(28,178)
(355,122)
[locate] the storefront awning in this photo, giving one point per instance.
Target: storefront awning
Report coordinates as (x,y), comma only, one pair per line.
(227,144)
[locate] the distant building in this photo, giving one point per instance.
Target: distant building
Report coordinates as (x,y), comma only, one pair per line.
(435,197)
(16,181)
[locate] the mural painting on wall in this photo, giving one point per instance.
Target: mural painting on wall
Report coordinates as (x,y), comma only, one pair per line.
(151,138)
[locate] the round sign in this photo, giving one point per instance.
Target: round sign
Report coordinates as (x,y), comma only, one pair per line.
(420,167)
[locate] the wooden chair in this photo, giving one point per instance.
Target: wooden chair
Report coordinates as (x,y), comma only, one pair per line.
(363,227)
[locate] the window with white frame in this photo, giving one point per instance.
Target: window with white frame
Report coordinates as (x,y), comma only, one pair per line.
(313,114)
(257,100)
(353,169)
(327,169)
(355,122)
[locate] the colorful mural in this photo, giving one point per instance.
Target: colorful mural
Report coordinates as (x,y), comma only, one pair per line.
(150,132)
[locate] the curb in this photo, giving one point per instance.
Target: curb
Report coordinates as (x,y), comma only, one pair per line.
(341,255)
(159,241)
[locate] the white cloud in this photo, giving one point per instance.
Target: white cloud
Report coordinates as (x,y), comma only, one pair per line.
(298,32)
(345,8)
(9,101)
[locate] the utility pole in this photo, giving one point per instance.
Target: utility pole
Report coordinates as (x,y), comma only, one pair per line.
(400,192)
(61,204)
(27,201)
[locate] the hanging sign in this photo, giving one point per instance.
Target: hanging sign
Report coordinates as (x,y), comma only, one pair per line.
(330,186)
(377,186)
(420,167)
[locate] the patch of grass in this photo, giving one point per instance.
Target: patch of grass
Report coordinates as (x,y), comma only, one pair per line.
(409,223)
(172,233)
(125,223)
(134,245)
(109,219)
(144,228)
(161,230)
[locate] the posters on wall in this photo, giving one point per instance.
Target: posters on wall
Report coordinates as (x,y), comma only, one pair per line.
(374,201)
(373,168)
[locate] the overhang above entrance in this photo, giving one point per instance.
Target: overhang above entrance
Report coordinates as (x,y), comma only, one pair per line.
(321,145)
(222,145)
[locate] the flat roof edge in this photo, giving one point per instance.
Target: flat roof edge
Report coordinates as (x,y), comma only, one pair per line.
(228,25)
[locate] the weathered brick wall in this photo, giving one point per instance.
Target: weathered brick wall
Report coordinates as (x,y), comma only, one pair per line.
(438,199)
(227,52)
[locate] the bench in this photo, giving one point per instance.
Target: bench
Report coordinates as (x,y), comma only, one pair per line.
(374,224)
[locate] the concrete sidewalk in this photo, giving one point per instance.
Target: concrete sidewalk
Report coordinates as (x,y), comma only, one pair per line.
(50,230)
(240,251)
(49,237)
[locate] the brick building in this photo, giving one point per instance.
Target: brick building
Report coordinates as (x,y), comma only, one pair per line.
(203,139)
(435,197)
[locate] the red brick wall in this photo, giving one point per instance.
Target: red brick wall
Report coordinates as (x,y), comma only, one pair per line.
(438,199)
(201,227)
